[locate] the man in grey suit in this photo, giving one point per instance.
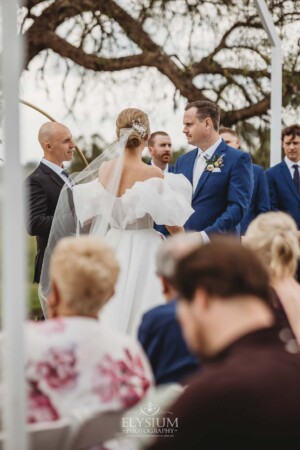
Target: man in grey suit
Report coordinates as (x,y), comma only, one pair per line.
(43,186)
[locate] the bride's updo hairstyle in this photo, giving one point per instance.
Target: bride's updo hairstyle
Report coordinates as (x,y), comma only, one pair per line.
(273,237)
(136,120)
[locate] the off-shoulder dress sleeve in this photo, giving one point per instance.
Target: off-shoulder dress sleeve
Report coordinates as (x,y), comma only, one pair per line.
(167,200)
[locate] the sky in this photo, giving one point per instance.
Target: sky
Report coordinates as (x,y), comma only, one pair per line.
(96,112)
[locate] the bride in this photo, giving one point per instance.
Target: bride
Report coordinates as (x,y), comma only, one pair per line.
(121,204)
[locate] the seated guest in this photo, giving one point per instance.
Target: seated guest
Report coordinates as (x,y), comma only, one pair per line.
(159,332)
(72,359)
(274,238)
(247,394)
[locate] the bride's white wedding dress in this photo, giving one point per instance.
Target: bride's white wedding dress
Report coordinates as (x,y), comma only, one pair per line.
(130,220)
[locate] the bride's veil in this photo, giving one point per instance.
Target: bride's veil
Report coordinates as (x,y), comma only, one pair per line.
(70,221)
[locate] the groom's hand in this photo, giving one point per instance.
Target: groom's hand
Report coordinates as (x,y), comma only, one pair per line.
(174,229)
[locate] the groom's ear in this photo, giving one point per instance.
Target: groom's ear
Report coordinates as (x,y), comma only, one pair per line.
(208,122)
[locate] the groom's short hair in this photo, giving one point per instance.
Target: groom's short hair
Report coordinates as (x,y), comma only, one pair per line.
(206,109)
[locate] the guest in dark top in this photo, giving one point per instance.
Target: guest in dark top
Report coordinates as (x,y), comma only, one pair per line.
(160,334)
(247,394)
(274,238)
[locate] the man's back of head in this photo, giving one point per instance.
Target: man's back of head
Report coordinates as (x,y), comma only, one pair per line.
(168,254)
(84,271)
(247,396)
(224,293)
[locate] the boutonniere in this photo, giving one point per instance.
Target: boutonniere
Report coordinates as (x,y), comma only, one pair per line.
(214,163)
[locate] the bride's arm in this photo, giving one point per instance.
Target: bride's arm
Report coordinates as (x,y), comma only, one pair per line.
(174,229)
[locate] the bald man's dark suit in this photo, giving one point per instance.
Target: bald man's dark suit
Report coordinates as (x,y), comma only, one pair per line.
(43,188)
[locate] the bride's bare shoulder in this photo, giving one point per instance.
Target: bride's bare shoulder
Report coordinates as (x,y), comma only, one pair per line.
(154,171)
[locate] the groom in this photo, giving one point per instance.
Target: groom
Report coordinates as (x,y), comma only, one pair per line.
(221,176)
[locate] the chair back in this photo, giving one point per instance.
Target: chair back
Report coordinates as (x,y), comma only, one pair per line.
(45,435)
(94,428)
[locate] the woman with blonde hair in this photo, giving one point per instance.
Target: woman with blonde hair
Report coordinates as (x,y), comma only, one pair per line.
(73,361)
(274,238)
(119,197)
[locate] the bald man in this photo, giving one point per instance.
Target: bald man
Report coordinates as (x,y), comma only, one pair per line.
(43,186)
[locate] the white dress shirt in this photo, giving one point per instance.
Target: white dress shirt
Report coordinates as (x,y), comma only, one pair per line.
(290,165)
(200,162)
(58,170)
(199,167)
(165,170)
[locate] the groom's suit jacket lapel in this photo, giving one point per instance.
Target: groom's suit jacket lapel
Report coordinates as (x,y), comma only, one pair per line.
(206,174)
(187,169)
(287,175)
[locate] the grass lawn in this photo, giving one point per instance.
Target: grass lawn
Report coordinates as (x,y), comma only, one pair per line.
(34,308)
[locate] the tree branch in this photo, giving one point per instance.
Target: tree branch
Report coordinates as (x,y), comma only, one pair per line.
(258,109)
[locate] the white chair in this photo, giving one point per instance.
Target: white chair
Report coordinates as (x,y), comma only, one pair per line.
(45,435)
(93,428)
(163,397)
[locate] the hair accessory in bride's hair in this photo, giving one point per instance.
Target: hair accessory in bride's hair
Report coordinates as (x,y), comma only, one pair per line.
(139,127)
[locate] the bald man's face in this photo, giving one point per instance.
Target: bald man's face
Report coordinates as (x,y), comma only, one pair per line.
(59,146)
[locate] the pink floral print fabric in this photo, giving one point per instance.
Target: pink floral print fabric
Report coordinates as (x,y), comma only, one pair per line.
(78,362)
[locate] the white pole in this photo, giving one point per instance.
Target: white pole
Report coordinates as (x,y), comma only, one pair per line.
(276,81)
(13,244)
(276,104)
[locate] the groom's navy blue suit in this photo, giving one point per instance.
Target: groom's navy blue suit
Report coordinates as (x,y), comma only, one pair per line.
(220,199)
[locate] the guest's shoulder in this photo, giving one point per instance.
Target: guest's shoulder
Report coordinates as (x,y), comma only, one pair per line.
(116,339)
(159,320)
(235,153)
(160,312)
(274,169)
(257,168)
(187,155)
(35,173)
(46,327)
